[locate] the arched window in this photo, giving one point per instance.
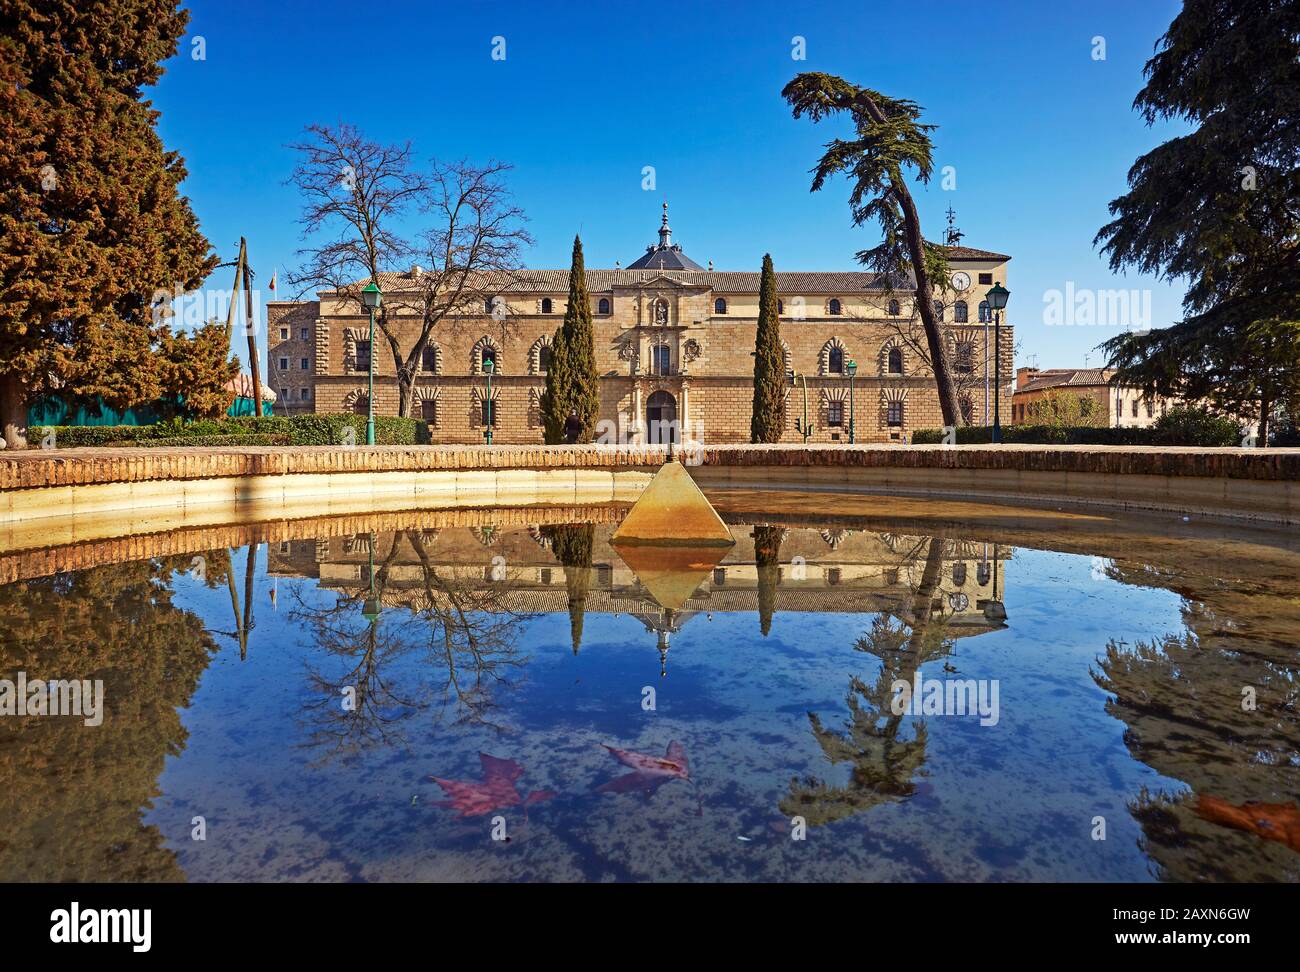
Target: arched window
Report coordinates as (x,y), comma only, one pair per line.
(719,306)
(834,306)
(959,574)
(967,410)
(490,355)
(959,312)
(362,404)
(985,316)
(546,305)
(895,364)
(835,361)
(938,310)
(603,306)
(543,358)
(429,359)
(893,308)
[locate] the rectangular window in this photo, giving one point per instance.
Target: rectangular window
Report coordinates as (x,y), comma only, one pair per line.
(660,360)
(1151,408)
(284,334)
(302,333)
(284,364)
(429,410)
(489,413)
(835,414)
(284,394)
(305,394)
(1135,408)
(894,414)
(362,356)
(986,278)
(302,363)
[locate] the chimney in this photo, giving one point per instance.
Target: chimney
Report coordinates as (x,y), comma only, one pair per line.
(417,271)
(1024,376)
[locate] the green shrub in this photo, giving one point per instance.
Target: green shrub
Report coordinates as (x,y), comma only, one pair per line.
(1194,425)
(242,430)
(1182,426)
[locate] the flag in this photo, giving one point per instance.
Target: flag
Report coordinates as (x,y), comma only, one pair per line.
(274,274)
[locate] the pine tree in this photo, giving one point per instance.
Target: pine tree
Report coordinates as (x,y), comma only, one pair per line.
(1217,207)
(768,420)
(572,383)
(194,371)
(92,224)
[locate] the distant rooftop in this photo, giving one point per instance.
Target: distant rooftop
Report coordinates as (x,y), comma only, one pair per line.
(1066,377)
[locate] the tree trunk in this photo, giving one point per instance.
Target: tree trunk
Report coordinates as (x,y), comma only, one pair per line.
(943,376)
(405,392)
(13,411)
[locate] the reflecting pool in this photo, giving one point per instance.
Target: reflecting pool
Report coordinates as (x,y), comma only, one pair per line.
(861,689)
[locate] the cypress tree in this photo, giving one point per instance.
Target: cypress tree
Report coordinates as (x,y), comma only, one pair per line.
(571,380)
(768,419)
(572,546)
(767,558)
(92,223)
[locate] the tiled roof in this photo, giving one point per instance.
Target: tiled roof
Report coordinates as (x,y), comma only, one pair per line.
(721,281)
(1063,377)
(970,253)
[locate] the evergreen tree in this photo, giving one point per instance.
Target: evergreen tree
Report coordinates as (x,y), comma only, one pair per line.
(92,224)
(768,420)
(571,380)
(1219,207)
(194,371)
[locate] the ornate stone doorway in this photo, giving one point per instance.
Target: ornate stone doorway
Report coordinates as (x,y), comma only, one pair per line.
(661,419)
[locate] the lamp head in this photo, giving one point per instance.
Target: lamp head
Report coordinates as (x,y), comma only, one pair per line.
(371,296)
(997,296)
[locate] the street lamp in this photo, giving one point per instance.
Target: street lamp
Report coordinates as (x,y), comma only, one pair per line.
(997,298)
(491,417)
(372,298)
(852,368)
(371,607)
(795,378)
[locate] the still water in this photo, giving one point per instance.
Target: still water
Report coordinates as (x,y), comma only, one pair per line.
(496,696)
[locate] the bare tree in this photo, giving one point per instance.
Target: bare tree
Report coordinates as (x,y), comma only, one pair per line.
(358,194)
(473,251)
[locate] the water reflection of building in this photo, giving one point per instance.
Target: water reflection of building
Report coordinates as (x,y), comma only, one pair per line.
(832,570)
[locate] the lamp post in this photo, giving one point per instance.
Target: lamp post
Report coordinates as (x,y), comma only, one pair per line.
(802,428)
(997,298)
(491,416)
(371,606)
(852,368)
(372,298)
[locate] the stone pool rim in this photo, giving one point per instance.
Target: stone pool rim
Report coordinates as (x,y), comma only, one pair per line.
(1260,485)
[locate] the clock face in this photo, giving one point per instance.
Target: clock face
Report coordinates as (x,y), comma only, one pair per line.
(961,280)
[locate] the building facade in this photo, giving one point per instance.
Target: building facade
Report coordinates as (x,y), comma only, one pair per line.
(674,345)
(1123,406)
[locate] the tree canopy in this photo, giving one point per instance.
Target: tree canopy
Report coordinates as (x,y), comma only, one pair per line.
(92,222)
(1219,207)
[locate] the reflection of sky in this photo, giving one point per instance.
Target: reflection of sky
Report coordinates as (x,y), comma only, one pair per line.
(1010,802)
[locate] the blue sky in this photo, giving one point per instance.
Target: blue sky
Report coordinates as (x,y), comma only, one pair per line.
(1040,133)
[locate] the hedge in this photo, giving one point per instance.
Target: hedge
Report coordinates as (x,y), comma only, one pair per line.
(240,430)
(1175,433)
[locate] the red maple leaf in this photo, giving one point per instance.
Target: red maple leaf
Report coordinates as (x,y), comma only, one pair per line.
(1272,821)
(496,792)
(648,772)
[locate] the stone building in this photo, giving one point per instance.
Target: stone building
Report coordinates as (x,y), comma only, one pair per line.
(674,343)
(1122,405)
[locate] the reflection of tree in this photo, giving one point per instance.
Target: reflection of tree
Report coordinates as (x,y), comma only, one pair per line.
(71,795)
(883,762)
(463,626)
(767,560)
(572,545)
(1181,697)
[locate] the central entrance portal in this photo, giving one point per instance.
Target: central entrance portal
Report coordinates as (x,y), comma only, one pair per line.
(661,419)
